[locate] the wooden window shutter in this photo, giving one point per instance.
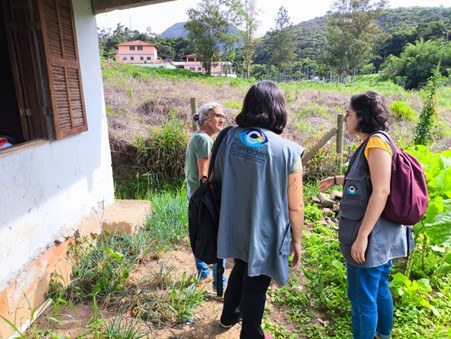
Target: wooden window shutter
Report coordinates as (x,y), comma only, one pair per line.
(63,67)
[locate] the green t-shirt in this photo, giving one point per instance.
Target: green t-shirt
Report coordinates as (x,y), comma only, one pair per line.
(199,146)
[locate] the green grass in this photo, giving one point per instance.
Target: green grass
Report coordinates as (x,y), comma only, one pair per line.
(168,224)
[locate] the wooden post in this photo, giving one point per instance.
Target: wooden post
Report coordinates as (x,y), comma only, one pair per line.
(340,141)
(193,102)
(318,145)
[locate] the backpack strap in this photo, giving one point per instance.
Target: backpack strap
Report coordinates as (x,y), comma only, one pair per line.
(388,139)
(215,148)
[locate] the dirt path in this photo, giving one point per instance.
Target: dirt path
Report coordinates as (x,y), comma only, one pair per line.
(74,323)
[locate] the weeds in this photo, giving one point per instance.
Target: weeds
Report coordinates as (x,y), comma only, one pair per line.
(185,296)
(168,223)
(402,111)
(122,329)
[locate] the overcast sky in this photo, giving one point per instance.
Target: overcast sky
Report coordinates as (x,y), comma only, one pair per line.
(159,17)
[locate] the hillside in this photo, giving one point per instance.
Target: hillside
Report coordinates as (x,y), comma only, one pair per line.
(403,19)
(177,30)
(311,33)
(139,99)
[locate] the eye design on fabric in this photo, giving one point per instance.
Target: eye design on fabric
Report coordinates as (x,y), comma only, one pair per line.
(253,137)
(352,190)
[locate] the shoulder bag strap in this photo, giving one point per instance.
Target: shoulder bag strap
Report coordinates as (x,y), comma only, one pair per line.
(215,148)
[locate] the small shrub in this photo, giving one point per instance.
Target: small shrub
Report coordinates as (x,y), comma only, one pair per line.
(429,111)
(185,296)
(122,329)
(324,163)
(166,151)
(312,213)
(101,268)
(402,111)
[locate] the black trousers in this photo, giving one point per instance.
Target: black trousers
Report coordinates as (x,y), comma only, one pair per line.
(245,297)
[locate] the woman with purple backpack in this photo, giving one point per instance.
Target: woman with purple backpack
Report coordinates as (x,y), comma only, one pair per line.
(368,241)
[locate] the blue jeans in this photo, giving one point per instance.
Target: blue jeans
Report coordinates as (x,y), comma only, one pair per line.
(372,304)
(203,271)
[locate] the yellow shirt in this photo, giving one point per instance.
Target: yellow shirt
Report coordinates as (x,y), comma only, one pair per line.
(377,142)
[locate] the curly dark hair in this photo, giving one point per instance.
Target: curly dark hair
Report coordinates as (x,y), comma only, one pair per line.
(264,106)
(373,110)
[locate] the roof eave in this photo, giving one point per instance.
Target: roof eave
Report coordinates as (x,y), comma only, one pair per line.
(103,6)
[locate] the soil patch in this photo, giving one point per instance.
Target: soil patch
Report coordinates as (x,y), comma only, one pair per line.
(79,321)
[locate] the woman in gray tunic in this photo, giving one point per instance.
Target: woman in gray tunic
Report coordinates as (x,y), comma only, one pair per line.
(261,206)
(368,241)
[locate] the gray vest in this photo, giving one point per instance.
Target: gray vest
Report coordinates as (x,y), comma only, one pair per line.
(253,165)
(387,240)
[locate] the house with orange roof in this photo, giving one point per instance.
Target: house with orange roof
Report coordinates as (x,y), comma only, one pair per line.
(137,52)
(218,68)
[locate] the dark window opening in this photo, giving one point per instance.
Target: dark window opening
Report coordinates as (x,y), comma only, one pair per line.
(10,125)
(140,48)
(132,48)
(42,94)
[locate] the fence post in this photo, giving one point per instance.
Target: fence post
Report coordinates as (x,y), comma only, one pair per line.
(340,141)
(193,102)
(309,155)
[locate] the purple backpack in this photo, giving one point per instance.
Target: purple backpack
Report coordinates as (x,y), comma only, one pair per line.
(408,199)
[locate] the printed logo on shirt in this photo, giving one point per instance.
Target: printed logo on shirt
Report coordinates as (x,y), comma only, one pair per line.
(253,137)
(251,147)
(352,190)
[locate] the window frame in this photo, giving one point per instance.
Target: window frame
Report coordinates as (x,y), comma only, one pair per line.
(48,87)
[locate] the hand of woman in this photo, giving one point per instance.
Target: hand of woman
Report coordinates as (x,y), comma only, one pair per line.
(295,251)
(358,249)
(326,183)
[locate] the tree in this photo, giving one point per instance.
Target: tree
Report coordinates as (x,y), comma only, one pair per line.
(351,33)
(415,64)
(209,32)
(250,13)
(282,42)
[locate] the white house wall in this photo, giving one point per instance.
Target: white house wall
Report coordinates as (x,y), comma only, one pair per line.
(48,189)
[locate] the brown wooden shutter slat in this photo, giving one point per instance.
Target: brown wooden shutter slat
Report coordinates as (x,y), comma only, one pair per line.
(63,66)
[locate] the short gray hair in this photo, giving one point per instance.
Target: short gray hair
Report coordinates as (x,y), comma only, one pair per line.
(204,112)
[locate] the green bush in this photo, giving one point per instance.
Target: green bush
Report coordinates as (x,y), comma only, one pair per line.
(402,111)
(158,161)
(429,112)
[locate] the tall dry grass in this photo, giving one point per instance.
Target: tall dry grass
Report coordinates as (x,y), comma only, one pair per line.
(140,101)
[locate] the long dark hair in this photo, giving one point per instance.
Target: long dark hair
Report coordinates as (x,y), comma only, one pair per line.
(373,110)
(264,106)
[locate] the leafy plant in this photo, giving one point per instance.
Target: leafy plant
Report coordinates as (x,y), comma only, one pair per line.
(312,213)
(185,296)
(414,293)
(428,113)
(402,111)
